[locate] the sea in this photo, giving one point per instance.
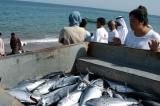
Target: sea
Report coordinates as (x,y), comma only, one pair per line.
(42,22)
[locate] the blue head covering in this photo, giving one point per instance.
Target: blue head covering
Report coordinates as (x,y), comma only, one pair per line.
(74,18)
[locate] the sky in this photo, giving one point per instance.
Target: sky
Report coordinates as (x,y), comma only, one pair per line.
(121,5)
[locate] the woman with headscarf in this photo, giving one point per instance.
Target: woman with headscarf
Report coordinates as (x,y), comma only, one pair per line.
(73,33)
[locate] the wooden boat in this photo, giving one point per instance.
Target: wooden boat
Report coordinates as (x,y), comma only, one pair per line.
(138,68)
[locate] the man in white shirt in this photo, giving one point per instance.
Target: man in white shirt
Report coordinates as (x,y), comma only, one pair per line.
(101,33)
(113,32)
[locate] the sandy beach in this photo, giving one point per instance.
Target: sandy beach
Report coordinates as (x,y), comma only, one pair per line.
(34,46)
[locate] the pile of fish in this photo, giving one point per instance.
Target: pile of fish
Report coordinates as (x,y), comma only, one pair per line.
(58,89)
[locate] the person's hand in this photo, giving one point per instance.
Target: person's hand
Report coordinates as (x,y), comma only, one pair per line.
(116,41)
(153,44)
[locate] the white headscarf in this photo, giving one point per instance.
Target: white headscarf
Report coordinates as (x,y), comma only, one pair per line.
(122,30)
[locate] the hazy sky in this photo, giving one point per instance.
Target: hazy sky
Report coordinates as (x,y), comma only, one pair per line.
(153,6)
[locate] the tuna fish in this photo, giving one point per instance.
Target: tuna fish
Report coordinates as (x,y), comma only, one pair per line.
(77,104)
(53,75)
(93,91)
(21,96)
(29,85)
(103,101)
(119,87)
(56,95)
(56,83)
(34,85)
(71,99)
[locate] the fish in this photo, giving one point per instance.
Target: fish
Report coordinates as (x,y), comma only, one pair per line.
(93,91)
(53,75)
(71,99)
(56,95)
(28,85)
(77,104)
(22,96)
(103,101)
(34,85)
(55,84)
(116,95)
(119,87)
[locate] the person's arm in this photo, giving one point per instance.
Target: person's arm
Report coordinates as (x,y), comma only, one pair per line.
(61,36)
(11,43)
(64,38)
(116,41)
(95,36)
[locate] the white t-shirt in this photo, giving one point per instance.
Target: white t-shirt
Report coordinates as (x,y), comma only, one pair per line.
(101,35)
(141,42)
(112,34)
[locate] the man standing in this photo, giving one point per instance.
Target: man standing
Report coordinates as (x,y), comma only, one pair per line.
(15,44)
(101,33)
(2,50)
(122,28)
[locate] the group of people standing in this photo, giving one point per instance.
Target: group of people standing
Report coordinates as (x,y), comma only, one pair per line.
(141,35)
(15,44)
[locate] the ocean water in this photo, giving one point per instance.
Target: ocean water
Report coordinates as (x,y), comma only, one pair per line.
(37,22)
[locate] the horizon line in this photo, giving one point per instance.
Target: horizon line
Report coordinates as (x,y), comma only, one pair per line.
(81,6)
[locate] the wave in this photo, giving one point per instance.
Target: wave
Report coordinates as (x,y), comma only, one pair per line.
(45,40)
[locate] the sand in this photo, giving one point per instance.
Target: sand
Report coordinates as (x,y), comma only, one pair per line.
(34,46)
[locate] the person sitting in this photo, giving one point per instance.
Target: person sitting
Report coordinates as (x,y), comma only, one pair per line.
(122,28)
(14,43)
(112,34)
(141,36)
(73,33)
(2,50)
(101,33)
(88,34)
